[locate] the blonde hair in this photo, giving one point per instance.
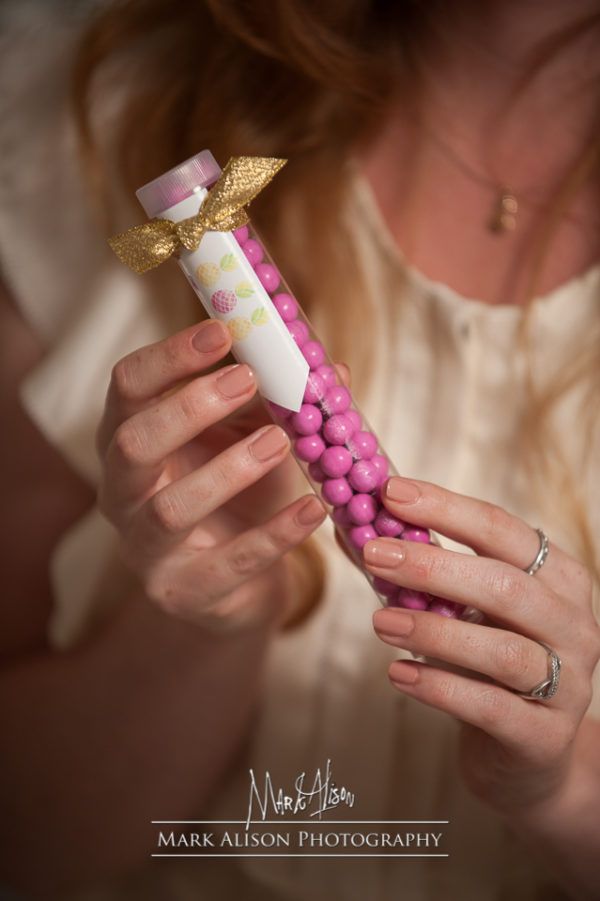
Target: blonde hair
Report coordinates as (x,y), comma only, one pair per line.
(305,80)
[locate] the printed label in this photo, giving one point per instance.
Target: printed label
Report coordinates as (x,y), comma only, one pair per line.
(229,289)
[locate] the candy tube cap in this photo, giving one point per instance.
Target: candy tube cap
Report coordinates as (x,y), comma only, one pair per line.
(199,171)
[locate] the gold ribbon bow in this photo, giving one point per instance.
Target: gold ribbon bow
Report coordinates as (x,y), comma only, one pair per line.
(146,246)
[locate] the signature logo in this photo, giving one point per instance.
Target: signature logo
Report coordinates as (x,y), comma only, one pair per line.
(310,796)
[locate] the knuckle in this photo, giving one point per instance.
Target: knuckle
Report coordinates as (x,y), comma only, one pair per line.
(493,706)
(192,403)
(159,589)
(443,693)
(495,520)
(247,561)
(513,657)
(507,587)
(128,444)
(164,512)
(125,377)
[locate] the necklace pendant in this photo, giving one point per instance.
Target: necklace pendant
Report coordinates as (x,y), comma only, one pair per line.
(504,214)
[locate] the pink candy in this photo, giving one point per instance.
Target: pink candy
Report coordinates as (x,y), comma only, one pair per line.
(286,306)
(337,429)
(309,448)
(337,492)
(268,275)
(330,436)
(253,250)
(308,419)
(299,332)
(387,525)
(313,353)
(364,476)
(362,509)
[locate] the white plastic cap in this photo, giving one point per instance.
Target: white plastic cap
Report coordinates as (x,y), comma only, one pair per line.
(200,171)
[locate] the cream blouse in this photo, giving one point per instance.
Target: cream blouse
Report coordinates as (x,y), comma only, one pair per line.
(457,373)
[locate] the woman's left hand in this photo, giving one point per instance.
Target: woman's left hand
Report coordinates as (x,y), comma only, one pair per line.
(514,751)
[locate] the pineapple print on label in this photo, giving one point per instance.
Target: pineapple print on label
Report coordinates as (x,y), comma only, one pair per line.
(228,262)
(223,301)
(244,289)
(207,274)
(259,316)
(239,328)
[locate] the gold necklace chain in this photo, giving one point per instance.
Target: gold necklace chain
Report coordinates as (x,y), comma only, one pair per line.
(505,209)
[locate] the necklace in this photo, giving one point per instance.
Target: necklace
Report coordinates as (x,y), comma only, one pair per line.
(505,209)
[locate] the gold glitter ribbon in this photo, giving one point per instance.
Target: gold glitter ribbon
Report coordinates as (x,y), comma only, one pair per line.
(243,178)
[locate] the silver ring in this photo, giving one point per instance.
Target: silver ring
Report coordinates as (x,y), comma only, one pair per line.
(549,686)
(541,554)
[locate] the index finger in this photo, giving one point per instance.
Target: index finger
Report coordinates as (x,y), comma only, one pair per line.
(148,372)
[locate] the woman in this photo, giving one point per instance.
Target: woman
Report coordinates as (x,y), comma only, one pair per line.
(144,696)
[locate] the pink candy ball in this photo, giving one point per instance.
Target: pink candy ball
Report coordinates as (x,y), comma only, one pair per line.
(336,492)
(315,388)
(382,586)
(412,600)
(341,518)
(336,461)
(362,509)
(307,420)
(328,374)
(337,399)
(364,476)
(359,535)
(313,352)
(445,607)
(299,331)
(387,525)
(337,429)
(309,448)
(381,464)
(363,445)
(268,276)
(286,306)
(254,252)
(355,419)
(413,534)
(241,234)
(316,473)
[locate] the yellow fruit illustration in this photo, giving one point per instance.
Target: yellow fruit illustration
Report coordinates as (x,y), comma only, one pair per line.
(259,316)
(207,273)
(239,327)
(228,262)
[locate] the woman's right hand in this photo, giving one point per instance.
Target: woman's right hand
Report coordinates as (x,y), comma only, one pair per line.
(179,476)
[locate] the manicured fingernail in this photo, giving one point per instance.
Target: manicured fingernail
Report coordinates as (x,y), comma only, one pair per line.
(391,623)
(270,442)
(312,511)
(210,336)
(403,673)
(236,381)
(384,552)
(402,491)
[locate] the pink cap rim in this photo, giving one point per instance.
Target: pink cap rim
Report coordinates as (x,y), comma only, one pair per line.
(158,195)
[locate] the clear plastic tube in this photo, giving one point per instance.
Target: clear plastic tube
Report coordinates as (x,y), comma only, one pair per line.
(237,281)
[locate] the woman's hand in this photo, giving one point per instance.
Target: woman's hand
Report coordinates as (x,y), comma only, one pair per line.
(180,476)
(514,752)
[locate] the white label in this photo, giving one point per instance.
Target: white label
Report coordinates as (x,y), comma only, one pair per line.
(230,290)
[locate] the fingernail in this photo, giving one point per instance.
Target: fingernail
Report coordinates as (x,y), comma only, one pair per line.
(312,511)
(402,491)
(210,336)
(384,552)
(403,673)
(269,443)
(236,381)
(391,623)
